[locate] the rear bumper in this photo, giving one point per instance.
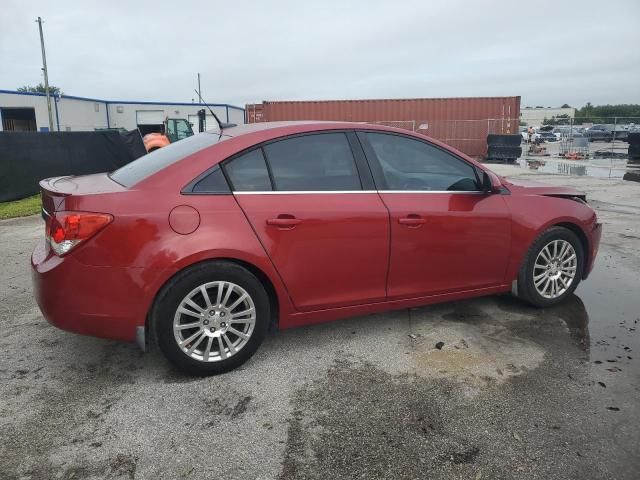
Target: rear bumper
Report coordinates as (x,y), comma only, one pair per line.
(107,302)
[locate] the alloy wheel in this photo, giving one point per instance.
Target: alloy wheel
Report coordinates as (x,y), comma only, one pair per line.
(555,268)
(214,321)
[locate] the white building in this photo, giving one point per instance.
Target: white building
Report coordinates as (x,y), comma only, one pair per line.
(26,111)
(535,116)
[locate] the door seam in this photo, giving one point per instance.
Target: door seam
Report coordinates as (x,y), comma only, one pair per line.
(386,281)
(266,253)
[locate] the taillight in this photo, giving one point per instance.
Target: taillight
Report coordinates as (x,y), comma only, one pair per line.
(65,230)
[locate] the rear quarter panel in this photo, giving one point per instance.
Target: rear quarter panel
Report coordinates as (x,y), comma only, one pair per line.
(146,244)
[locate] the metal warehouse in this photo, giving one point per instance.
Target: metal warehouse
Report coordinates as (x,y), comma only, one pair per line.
(26,111)
(463,123)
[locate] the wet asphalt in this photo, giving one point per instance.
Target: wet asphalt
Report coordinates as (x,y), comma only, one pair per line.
(514,392)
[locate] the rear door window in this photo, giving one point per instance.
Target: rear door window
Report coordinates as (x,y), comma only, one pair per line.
(319,162)
(248,172)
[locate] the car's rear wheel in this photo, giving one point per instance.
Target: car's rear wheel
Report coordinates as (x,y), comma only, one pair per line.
(211,318)
(552,268)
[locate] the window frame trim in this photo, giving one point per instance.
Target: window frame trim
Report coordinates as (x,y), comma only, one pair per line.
(363,169)
(366,161)
(376,167)
(352,192)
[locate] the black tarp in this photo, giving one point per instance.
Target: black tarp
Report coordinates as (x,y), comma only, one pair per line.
(28,157)
(133,142)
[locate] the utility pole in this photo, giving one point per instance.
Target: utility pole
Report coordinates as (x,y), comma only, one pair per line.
(199,95)
(46,76)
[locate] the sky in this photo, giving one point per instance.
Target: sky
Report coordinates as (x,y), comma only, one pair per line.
(548,52)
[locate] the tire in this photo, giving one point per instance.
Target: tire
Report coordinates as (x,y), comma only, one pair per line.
(527,289)
(214,347)
(500,152)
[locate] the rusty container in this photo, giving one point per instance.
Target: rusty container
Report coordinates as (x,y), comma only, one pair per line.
(463,123)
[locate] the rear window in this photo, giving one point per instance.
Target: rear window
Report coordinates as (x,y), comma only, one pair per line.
(153,162)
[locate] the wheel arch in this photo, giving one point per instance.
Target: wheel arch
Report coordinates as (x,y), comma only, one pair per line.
(582,236)
(576,229)
(274,302)
(265,280)
(570,223)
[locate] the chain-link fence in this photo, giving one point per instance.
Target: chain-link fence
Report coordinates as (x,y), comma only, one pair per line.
(585,137)
(468,136)
(594,146)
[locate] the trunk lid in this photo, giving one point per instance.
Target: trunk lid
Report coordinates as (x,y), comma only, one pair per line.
(55,191)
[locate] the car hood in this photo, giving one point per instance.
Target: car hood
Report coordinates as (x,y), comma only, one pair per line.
(531,187)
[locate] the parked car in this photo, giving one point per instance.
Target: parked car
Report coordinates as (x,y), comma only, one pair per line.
(545,137)
(204,244)
(598,133)
(565,131)
(621,134)
(618,132)
(573,137)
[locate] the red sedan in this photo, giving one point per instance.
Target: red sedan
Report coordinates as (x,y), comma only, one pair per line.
(203,244)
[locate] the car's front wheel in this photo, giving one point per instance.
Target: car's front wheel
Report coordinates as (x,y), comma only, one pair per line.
(211,318)
(552,268)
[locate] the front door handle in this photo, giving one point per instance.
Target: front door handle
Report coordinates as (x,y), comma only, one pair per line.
(284,221)
(412,220)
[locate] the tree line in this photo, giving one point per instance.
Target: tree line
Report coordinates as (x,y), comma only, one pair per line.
(624,113)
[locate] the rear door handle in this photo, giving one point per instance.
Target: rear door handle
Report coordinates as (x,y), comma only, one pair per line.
(284,221)
(412,220)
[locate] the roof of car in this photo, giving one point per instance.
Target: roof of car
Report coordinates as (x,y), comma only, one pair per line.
(263,131)
(303,125)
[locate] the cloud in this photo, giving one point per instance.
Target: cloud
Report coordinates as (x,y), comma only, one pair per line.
(548,52)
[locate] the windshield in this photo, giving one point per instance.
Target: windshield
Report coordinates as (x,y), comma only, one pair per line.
(151,163)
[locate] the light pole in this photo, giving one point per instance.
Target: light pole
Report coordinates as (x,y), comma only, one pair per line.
(46,76)
(199,96)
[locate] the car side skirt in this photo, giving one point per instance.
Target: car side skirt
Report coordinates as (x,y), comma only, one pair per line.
(299,319)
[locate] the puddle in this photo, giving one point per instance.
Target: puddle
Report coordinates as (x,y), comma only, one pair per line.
(603,315)
(612,314)
(596,168)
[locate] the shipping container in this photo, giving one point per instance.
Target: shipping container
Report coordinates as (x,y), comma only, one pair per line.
(463,123)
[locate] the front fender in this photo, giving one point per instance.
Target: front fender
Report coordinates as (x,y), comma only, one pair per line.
(533,214)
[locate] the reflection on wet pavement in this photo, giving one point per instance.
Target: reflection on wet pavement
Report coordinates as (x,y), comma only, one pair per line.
(572,311)
(612,304)
(597,167)
(603,315)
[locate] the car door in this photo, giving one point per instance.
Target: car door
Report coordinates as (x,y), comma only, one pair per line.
(312,204)
(446,235)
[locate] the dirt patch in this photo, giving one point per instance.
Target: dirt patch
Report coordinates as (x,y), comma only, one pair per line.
(68,420)
(464,342)
(361,422)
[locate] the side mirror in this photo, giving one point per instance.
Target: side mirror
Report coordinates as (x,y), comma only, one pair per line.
(490,182)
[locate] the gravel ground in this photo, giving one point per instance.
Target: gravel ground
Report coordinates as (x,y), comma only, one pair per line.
(515,392)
